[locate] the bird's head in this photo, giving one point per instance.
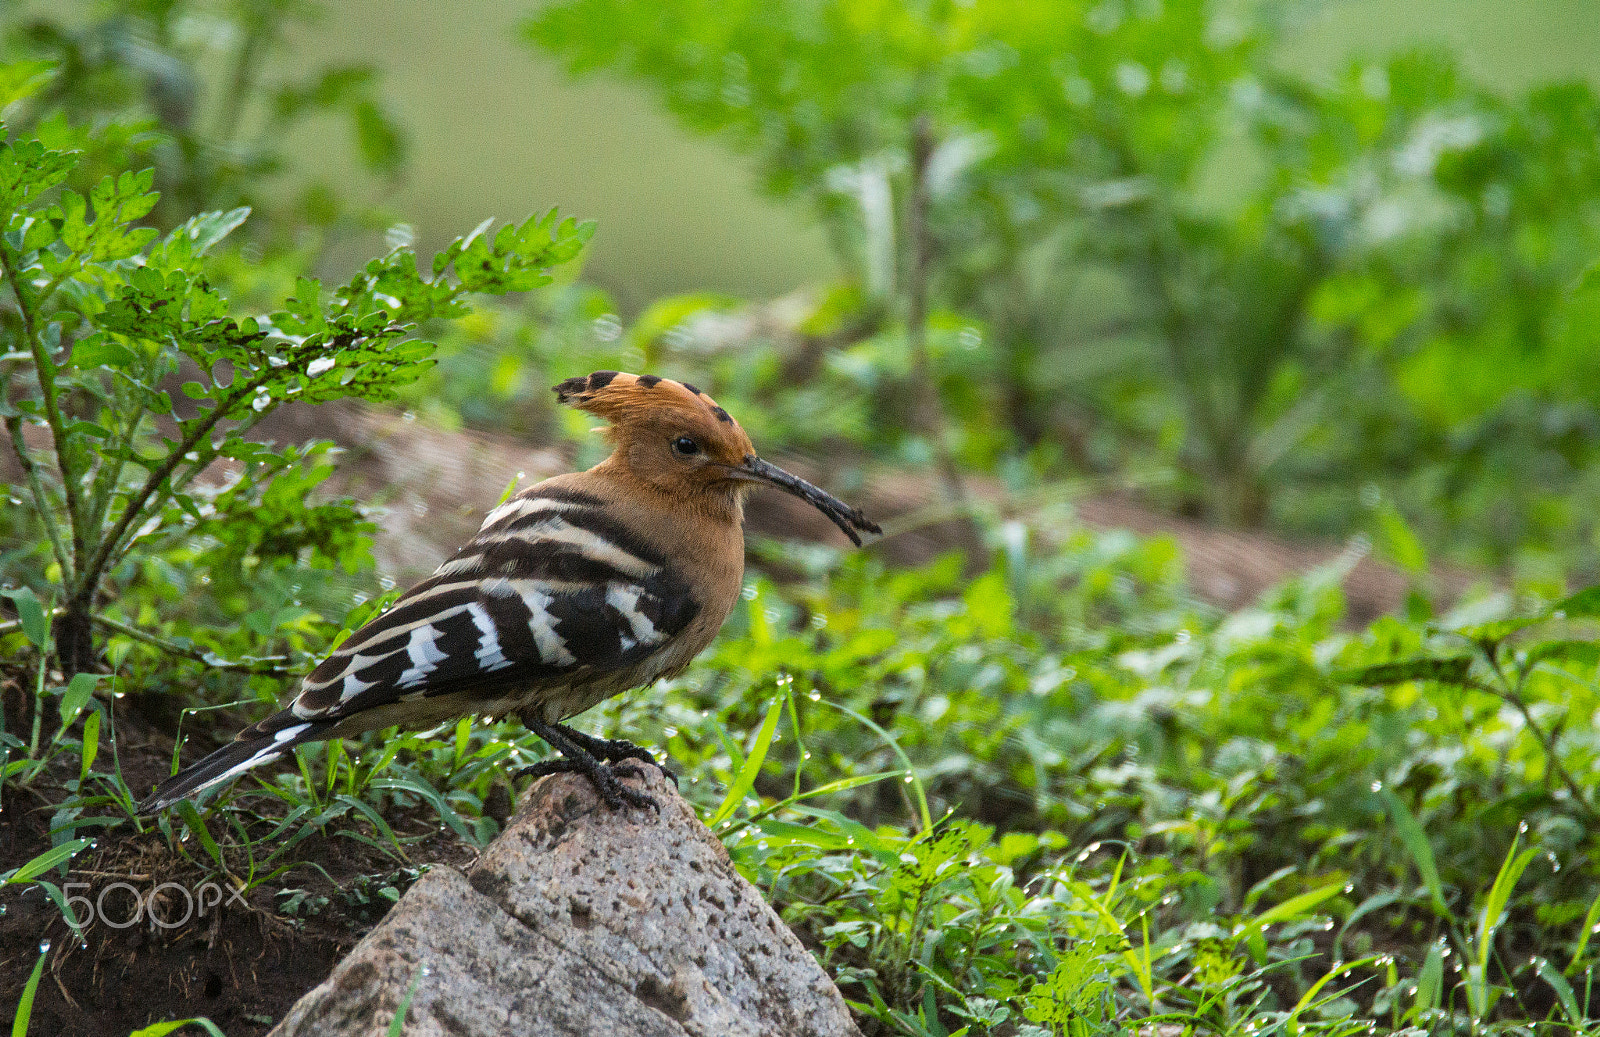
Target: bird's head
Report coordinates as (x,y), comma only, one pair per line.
(676,439)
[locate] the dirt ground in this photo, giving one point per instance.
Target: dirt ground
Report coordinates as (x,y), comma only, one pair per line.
(238,960)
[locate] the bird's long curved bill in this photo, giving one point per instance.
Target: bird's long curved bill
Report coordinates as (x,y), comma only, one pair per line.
(847,518)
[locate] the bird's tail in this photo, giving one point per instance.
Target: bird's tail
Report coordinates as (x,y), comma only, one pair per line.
(258,744)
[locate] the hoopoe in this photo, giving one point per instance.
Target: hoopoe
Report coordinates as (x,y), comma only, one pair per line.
(576,589)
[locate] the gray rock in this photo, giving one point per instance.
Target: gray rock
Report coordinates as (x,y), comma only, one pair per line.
(581,920)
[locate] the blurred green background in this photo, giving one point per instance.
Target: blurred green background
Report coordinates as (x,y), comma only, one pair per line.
(498,129)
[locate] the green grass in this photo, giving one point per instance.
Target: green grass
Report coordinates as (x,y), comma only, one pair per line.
(1058,799)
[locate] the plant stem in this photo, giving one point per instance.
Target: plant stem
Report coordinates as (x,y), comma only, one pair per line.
(1513,696)
(41,503)
(105,483)
(136,504)
(45,370)
(269,665)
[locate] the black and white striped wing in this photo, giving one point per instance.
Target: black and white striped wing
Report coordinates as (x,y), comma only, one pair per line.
(552,591)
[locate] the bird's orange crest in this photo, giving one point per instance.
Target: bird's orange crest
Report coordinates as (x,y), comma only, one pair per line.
(634,402)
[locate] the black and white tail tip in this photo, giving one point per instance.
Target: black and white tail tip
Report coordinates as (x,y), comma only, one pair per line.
(254,747)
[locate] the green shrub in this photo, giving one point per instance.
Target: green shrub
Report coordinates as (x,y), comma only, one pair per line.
(106,319)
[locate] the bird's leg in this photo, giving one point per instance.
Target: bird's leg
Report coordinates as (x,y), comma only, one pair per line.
(615,750)
(576,759)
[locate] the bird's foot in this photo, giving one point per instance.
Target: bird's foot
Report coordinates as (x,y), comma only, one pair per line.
(602,776)
(616,750)
(577,758)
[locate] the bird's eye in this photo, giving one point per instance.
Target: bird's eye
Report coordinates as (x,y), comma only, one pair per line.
(683,446)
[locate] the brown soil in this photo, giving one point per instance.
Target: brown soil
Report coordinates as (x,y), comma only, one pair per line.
(241,963)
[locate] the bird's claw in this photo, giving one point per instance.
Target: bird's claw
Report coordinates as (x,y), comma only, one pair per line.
(617,750)
(602,776)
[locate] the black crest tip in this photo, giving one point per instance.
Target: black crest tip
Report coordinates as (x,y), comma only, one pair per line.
(566,390)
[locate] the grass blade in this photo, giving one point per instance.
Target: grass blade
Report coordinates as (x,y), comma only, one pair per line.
(162,1029)
(924,815)
(1584,931)
(191,817)
(1416,843)
(398,1023)
(19,1022)
(44,862)
(746,778)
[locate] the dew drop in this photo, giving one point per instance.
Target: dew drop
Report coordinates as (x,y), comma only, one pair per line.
(815,696)
(1377,786)
(44,946)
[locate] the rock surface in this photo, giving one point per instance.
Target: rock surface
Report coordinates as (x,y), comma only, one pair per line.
(580,920)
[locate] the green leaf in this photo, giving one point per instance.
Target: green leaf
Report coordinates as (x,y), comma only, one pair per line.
(1399,542)
(1430,981)
(1494,906)
(43,862)
(1563,990)
(162,1029)
(1583,605)
(198,235)
(24,1013)
(35,624)
(191,817)
(379,139)
(21,79)
(102,351)
(91,746)
(77,695)
(397,1024)
(746,778)
(1583,653)
(1296,906)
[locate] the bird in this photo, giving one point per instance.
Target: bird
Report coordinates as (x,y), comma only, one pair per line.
(578,588)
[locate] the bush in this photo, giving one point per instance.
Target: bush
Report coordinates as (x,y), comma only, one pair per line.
(107,318)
